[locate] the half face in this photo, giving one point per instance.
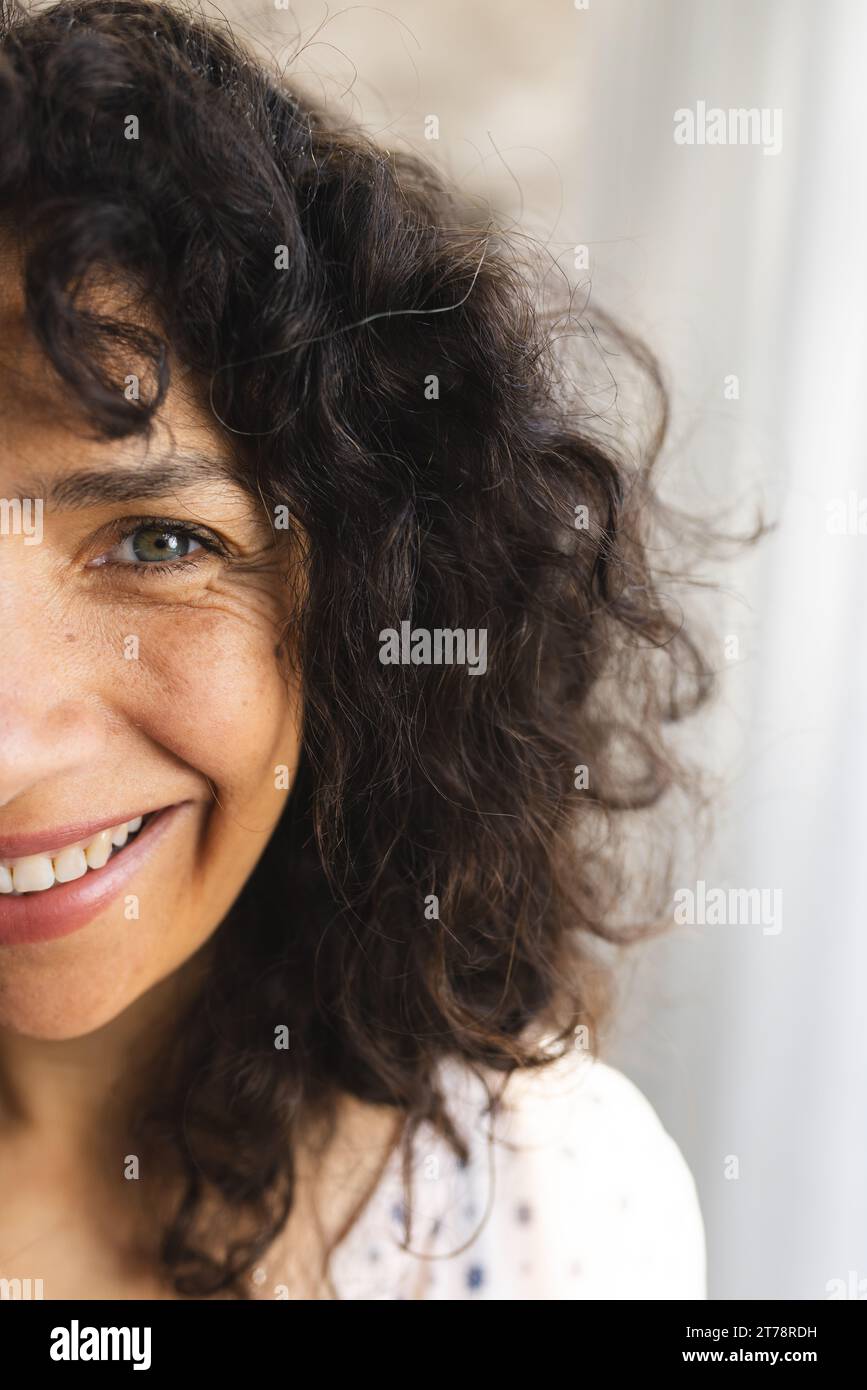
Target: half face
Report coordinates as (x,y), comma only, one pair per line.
(149,727)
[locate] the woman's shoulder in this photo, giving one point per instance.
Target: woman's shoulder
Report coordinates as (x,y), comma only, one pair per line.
(573,1189)
(587,1159)
(580,1098)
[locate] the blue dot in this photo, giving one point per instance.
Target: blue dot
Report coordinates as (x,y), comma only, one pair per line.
(475,1277)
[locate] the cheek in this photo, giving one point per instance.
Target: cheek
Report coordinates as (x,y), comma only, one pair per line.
(208,686)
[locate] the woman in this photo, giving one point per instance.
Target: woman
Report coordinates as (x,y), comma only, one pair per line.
(333,656)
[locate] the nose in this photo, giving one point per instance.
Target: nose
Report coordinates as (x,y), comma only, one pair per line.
(51,719)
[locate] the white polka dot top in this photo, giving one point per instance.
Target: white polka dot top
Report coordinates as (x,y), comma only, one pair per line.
(581,1194)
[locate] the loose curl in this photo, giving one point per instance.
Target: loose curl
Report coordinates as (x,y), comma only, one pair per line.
(399,391)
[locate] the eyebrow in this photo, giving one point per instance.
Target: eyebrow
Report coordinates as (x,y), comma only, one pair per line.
(93,487)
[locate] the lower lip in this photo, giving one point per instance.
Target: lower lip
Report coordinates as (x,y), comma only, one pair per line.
(67,907)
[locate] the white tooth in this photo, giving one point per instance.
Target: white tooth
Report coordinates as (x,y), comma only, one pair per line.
(5,879)
(69,864)
(119,836)
(134,825)
(32,874)
(97,850)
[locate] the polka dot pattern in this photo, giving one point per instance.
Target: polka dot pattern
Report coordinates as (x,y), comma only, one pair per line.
(577,1192)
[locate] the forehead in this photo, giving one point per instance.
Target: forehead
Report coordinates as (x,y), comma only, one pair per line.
(43,427)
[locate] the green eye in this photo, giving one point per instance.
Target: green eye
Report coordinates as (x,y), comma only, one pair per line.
(152,543)
(155,545)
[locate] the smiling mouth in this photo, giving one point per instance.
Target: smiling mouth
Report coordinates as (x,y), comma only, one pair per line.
(39,873)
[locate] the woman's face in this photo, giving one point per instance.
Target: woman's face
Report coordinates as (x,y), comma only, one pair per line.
(142,676)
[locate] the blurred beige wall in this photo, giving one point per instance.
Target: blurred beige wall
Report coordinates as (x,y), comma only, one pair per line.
(504,80)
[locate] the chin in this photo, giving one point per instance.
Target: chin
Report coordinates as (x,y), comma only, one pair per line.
(55,1021)
(56,995)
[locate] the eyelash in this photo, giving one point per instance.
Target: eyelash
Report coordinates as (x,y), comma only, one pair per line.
(130,526)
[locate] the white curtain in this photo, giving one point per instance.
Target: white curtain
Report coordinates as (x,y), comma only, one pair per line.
(754,1045)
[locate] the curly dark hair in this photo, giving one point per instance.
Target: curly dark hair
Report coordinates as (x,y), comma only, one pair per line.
(399,389)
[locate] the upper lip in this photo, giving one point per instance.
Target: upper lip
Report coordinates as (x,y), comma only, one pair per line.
(21,846)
